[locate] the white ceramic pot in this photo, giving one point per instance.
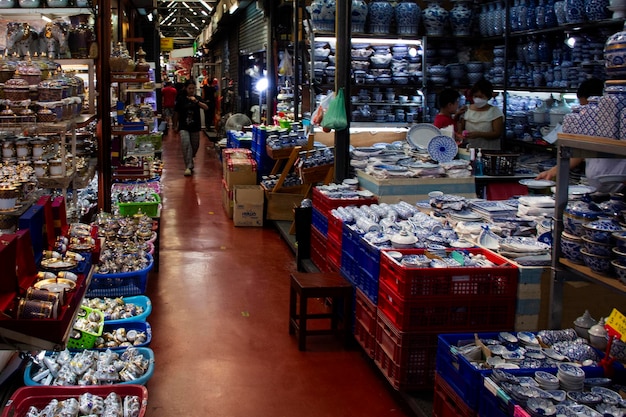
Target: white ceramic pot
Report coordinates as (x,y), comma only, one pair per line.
(41,168)
(56,167)
(8,197)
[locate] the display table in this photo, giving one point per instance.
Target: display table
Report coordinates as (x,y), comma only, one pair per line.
(393,190)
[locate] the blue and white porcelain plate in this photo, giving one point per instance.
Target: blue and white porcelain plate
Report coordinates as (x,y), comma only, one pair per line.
(571,370)
(442,148)
(391,168)
(419,135)
(530,183)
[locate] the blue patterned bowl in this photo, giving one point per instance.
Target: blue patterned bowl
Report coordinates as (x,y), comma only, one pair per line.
(570,246)
(598,264)
(601,230)
(597,248)
(620,239)
(618,350)
(619,254)
(620,270)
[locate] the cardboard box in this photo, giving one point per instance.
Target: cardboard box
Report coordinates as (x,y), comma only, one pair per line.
(248,205)
(227,200)
(414,189)
(280,204)
(239,171)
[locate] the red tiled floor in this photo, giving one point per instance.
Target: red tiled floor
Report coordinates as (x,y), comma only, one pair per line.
(220,318)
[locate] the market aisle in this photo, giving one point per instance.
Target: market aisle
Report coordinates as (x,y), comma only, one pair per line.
(220,318)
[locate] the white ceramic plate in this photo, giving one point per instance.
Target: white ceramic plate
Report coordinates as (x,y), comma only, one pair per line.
(530,183)
(577,189)
(419,135)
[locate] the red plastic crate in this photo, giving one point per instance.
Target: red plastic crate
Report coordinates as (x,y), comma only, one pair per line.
(325,204)
(416,283)
(333,254)
(335,228)
(318,250)
(407,359)
(365,322)
(40,396)
(447,313)
(446,402)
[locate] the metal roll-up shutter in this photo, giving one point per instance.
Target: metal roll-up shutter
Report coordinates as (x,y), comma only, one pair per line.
(252,31)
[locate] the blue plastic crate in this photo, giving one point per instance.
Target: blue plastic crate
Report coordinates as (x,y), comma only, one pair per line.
(120,285)
(467,380)
(349,269)
(320,222)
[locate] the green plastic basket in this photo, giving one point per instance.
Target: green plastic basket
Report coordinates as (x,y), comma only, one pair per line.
(149,208)
(87,339)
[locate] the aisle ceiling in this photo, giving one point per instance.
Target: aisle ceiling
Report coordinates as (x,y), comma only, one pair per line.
(183,20)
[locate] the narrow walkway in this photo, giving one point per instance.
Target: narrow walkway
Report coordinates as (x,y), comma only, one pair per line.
(220,328)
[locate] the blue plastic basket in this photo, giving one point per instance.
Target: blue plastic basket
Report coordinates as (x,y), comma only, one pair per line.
(120,285)
(144,351)
(138,300)
(140,326)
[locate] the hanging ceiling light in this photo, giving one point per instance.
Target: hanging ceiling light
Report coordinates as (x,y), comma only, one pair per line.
(206,5)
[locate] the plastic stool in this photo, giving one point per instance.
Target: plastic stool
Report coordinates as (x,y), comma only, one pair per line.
(319,285)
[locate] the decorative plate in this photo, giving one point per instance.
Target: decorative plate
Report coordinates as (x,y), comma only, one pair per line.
(442,148)
(59,264)
(419,135)
(523,244)
(492,206)
(391,168)
(530,183)
(55,285)
(571,371)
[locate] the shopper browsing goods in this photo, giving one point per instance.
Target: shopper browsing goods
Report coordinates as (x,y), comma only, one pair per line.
(187,122)
(482,124)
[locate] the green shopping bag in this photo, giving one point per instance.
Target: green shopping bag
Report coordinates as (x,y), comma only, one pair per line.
(335,117)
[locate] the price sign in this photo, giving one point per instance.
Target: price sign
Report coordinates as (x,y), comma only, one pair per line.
(167,44)
(616,325)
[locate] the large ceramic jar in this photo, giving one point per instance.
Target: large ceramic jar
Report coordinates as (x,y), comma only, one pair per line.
(380,13)
(550,15)
(560,13)
(522,15)
(575,11)
(323,15)
(359,16)
(483,20)
(499,16)
(408,15)
(435,18)
(513,12)
(461,18)
(596,9)
(615,55)
(610,106)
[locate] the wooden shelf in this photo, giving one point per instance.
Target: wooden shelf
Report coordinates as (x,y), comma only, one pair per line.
(587,274)
(130,77)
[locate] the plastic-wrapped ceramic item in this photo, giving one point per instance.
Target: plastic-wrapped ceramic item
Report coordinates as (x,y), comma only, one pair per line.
(597,335)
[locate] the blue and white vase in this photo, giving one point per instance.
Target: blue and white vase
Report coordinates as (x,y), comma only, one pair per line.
(610,107)
(380,13)
(461,18)
(359,16)
(483,24)
(435,18)
(540,15)
(544,52)
(560,13)
(615,55)
(596,10)
(531,21)
(513,12)
(323,15)
(550,15)
(499,16)
(575,11)
(408,15)
(522,15)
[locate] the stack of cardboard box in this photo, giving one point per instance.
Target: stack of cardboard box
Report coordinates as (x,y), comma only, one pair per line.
(242,198)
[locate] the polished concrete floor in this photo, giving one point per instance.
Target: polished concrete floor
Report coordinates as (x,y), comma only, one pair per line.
(220,318)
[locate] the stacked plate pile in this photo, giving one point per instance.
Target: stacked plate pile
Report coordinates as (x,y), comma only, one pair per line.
(528,340)
(546,380)
(519,246)
(490,209)
(571,377)
(541,407)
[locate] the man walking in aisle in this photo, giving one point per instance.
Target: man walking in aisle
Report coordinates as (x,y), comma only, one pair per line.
(187,122)
(168,95)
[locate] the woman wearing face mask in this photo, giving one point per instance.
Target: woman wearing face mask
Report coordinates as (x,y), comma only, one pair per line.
(482,123)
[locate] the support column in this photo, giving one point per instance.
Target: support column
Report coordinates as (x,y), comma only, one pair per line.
(343,25)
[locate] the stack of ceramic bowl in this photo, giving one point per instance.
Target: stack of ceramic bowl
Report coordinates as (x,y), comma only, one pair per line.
(475,71)
(438,74)
(546,380)
(497,70)
(571,377)
(457,73)
(619,253)
(598,243)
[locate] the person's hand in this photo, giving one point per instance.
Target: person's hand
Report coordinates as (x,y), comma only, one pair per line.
(547,175)
(460,112)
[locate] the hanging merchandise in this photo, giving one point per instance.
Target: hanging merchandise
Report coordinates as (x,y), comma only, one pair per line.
(286,68)
(335,117)
(318,114)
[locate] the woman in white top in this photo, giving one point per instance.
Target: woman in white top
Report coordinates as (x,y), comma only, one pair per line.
(482,123)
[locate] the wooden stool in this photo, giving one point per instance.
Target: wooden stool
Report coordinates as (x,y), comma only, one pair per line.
(319,285)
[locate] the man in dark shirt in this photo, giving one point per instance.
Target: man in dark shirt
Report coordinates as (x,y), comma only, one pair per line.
(187,122)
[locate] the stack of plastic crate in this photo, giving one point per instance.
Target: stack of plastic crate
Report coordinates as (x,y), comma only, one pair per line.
(416,304)
(259,152)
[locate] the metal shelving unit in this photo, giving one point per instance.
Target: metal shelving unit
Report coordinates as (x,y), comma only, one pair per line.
(575,146)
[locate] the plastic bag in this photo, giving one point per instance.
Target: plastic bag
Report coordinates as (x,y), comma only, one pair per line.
(285,67)
(318,114)
(335,117)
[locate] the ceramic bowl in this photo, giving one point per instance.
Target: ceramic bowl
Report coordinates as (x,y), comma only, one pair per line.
(597,248)
(475,66)
(618,350)
(598,264)
(400,79)
(321,53)
(361,53)
(619,254)
(601,230)
(331,59)
(320,64)
(620,270)
(570,247)
(620,239)
(380,61)
(573,223)
(438,70)
(474,77)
